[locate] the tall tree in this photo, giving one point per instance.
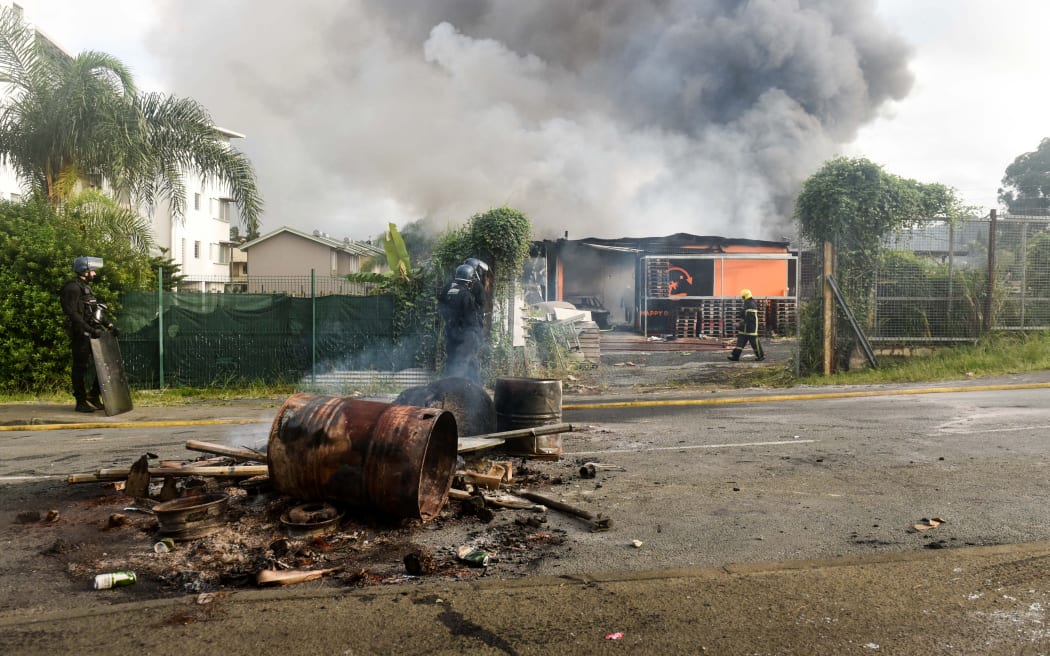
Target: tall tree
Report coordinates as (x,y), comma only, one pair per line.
(67,119)
(1026,185)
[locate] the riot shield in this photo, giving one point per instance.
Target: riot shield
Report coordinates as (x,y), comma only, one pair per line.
(109,367)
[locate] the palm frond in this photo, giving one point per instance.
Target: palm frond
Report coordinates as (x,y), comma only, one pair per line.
(109,221)
(19,64)
(180,130)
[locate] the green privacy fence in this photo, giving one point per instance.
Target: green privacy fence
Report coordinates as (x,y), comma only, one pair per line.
(202,340)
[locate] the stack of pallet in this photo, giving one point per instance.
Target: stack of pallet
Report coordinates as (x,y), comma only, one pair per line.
(731,308)
(589,337)
(659,284)
(732,315)
(785,317)
(686,323)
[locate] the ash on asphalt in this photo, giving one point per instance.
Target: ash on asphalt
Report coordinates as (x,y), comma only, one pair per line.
(71,533)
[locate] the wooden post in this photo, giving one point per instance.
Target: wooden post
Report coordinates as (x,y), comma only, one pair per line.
(989,300)
(829,308)
(222,450)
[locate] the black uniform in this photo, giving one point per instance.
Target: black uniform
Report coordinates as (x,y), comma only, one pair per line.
(82,323)
(463,311)
(748,332)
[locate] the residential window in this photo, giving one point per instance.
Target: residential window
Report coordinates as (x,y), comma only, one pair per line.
(224,210)
(196,250)
(220,254)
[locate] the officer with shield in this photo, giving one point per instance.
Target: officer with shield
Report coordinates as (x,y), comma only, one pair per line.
(85,319)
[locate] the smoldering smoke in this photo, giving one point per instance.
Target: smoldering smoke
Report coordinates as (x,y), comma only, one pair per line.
(607,118)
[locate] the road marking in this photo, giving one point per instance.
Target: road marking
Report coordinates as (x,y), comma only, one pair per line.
(692,446)
(133,424)
(800,397)
(976,431)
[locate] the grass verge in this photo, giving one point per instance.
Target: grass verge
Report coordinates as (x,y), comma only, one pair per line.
(996,355)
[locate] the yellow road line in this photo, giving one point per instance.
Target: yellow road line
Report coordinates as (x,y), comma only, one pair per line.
(575,406)
(134,424)
(799,397)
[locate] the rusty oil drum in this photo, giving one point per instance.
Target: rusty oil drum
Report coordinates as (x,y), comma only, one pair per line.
(396,460)
(528,403)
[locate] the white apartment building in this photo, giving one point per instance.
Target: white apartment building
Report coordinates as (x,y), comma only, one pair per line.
(200,241)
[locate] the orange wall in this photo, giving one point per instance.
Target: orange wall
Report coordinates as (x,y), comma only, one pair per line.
(762,277)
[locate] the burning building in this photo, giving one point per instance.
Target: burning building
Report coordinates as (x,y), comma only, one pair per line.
(679,284)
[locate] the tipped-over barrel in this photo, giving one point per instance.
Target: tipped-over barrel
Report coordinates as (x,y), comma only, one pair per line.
(395,459)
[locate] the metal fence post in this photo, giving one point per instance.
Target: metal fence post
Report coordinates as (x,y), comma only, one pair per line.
(1024,270)
(989,304)
(313,327)
(160,324)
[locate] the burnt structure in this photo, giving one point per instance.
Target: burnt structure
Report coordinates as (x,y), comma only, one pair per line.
(681,284)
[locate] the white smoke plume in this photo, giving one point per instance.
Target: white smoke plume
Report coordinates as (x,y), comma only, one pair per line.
(605,118)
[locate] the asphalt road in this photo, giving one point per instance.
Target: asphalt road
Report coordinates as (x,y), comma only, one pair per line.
(723,496)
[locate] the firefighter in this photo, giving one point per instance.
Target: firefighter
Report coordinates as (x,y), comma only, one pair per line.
(462,308)
(84,320)
(747,332)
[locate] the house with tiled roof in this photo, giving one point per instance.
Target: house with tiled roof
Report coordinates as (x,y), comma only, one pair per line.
(282,261)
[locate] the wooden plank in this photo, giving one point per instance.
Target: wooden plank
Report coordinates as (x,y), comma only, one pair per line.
(472,444)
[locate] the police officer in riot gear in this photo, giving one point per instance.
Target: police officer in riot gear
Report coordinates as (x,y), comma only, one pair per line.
(481,277)
(748,328)
(462,308)
(85,319)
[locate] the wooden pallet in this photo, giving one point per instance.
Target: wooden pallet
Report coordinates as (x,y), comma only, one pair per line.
(589,337)
(686,327)
(659,285)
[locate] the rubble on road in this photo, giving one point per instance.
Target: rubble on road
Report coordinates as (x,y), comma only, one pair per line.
(264,537)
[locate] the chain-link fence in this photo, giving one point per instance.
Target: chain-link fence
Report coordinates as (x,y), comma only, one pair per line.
(292,285)
(930,282)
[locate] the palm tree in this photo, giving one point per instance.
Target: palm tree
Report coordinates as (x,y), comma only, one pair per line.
(64,120)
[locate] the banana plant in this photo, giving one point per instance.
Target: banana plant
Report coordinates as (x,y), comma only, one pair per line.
(397,260)
(396,253)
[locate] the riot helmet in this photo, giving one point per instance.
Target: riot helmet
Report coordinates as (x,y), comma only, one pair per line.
(745,294)
(466,273)
(83,264)
(480,268)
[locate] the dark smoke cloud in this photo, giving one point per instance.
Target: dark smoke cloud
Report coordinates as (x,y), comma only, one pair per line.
(606,118)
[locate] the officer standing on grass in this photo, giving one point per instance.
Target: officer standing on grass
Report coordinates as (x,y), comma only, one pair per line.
(84,320)
(747,332)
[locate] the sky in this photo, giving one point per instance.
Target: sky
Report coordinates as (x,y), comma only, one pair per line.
(362,112)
